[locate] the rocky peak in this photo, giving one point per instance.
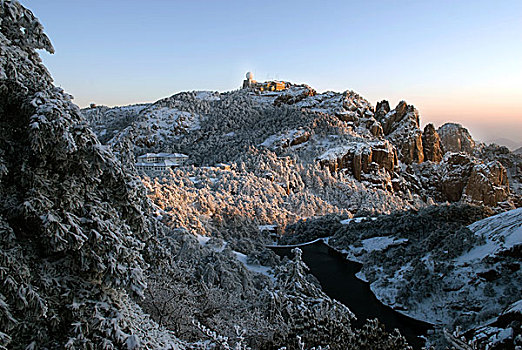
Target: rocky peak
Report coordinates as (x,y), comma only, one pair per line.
(431,144)
(401,127)
(382,109)
(456,138)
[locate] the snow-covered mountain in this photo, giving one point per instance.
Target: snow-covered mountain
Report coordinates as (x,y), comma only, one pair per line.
(379,151)
(85,262)
(94,256)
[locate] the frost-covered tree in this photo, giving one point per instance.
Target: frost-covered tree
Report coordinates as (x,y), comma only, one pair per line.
(74,224)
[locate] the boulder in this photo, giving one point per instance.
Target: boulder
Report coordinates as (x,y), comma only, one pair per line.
(376,129)
(431,144)
(456,138)
(294,94)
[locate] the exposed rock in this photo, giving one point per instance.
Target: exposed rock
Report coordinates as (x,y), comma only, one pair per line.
(300,137)
(431,144)
(488,183)
(466,178)
(376,129)
(294,94)
(456,169)
(518,151)
(382,109)
(357,157)
(401,127)
(456,138)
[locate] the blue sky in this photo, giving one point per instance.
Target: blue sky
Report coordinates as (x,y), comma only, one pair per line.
(454,60)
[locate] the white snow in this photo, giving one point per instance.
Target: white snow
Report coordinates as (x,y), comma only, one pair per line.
(264,270)
(202,239)
(514,308)
(267,227)
(381,243)
(356,220)
(501,231)
(207,95)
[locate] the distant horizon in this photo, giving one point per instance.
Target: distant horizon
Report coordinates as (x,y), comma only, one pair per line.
(454,61)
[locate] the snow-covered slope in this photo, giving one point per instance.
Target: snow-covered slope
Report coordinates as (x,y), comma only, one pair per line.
(377,150)
(502,233)
(436,266)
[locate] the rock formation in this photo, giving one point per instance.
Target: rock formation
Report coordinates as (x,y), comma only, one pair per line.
(464,177)
(456,138)
(401,127)
(431,144)
(488,184)
(358,157)
(455,172)
(295,94)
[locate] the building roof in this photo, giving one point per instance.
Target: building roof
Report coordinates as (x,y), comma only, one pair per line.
(164,163)
(163,155)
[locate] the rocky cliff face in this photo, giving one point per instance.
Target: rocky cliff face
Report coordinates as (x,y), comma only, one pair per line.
(431,144)
(456,138)
(401,127)
(464,177)
(358,157)
(488,184)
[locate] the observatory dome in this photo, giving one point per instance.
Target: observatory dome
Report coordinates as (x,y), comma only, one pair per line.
(250,76)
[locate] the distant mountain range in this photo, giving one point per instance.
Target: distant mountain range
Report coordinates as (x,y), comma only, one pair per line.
(502,141)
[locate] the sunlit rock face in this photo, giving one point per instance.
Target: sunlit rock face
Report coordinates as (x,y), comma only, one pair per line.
(488,184)
(431,144)
(358,157)
(466,178)
(401,127)
(456,138)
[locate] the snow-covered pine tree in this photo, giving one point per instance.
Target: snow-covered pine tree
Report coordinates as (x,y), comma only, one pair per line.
(73,224)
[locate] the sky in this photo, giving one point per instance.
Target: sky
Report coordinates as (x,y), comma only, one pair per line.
(455,61)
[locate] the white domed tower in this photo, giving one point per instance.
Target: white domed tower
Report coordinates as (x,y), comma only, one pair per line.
(249,81)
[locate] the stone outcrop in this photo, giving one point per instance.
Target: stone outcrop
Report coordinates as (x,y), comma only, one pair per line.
(431,144)
(456,138)
(464,177)
(401,127)
(358,158)
(382,109)
(294,94)
(455,172)
(488,184)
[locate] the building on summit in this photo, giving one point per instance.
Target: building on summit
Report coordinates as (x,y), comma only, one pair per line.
(272,85)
